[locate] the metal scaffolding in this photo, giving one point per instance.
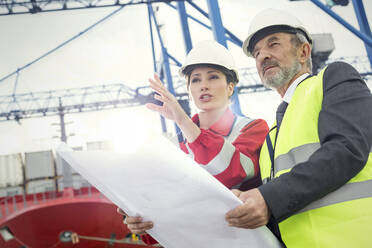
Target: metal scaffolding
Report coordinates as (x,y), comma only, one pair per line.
(38,104)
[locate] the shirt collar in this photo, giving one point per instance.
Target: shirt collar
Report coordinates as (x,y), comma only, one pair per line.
(291,89)
(223,125)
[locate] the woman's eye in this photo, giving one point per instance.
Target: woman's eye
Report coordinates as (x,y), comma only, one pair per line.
(213,77)
(195,80)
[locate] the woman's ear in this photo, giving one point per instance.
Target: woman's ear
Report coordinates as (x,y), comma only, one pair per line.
(190,96)
(230,89)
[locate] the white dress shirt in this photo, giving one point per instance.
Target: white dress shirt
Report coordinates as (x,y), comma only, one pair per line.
(291,89)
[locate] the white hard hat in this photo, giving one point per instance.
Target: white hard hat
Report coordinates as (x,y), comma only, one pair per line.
(213,53)
(272,21)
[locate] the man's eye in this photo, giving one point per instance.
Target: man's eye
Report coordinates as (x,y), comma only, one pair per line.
(213,77)
(274,44)
(195,80)
(256,54)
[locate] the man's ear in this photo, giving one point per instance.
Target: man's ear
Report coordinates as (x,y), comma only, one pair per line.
(304,52)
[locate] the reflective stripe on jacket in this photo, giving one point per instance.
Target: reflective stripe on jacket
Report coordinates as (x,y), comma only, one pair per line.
(223,159)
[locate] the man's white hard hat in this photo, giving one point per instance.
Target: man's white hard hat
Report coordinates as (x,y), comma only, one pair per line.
(210,52)
(272,21)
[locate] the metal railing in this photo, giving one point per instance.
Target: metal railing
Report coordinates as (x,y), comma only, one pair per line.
(14,203)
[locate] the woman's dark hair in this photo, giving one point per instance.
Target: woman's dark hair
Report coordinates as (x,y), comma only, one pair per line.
(230,75)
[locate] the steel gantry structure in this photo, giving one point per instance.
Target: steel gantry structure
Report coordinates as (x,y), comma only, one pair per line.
(16,7)
(162,65)
(38,104)
(94,98)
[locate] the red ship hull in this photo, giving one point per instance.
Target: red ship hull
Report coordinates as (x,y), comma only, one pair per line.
(38,220)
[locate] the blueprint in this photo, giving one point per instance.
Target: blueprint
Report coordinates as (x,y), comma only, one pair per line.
(161,183)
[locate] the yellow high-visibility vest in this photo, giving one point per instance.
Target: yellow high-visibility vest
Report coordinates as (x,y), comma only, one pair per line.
(342,218)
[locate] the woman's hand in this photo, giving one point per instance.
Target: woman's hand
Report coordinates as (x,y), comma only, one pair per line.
(171,109)
(135,224)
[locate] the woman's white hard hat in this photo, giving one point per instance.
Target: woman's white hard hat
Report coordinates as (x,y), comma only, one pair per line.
(272,21)
(210,52)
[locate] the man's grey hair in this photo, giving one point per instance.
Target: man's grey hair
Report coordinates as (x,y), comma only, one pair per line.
(299,39)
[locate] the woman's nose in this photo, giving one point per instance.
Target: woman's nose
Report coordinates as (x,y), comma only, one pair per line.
(204,85)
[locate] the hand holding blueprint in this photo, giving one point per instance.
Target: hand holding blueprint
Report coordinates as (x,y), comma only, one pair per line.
(160,183)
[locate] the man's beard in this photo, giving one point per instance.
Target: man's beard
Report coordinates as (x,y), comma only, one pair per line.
(283,76)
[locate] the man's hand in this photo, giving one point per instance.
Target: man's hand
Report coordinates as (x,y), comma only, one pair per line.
(252,213)
(135,224)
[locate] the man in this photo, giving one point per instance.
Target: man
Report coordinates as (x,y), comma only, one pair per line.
(315,161)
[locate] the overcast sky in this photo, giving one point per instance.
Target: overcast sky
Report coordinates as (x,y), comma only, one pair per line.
(119,51)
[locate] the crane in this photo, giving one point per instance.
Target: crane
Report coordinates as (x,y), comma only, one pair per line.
(60,102)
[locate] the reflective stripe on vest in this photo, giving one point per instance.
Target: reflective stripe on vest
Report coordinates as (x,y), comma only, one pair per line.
(348,192)
(295,156)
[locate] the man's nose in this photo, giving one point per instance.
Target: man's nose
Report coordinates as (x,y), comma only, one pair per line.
(264,55)
(262,59)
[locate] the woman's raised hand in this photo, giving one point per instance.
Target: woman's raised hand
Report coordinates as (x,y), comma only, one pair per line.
(170,109)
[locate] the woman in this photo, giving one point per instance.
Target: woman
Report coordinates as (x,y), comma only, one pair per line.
(225,144)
